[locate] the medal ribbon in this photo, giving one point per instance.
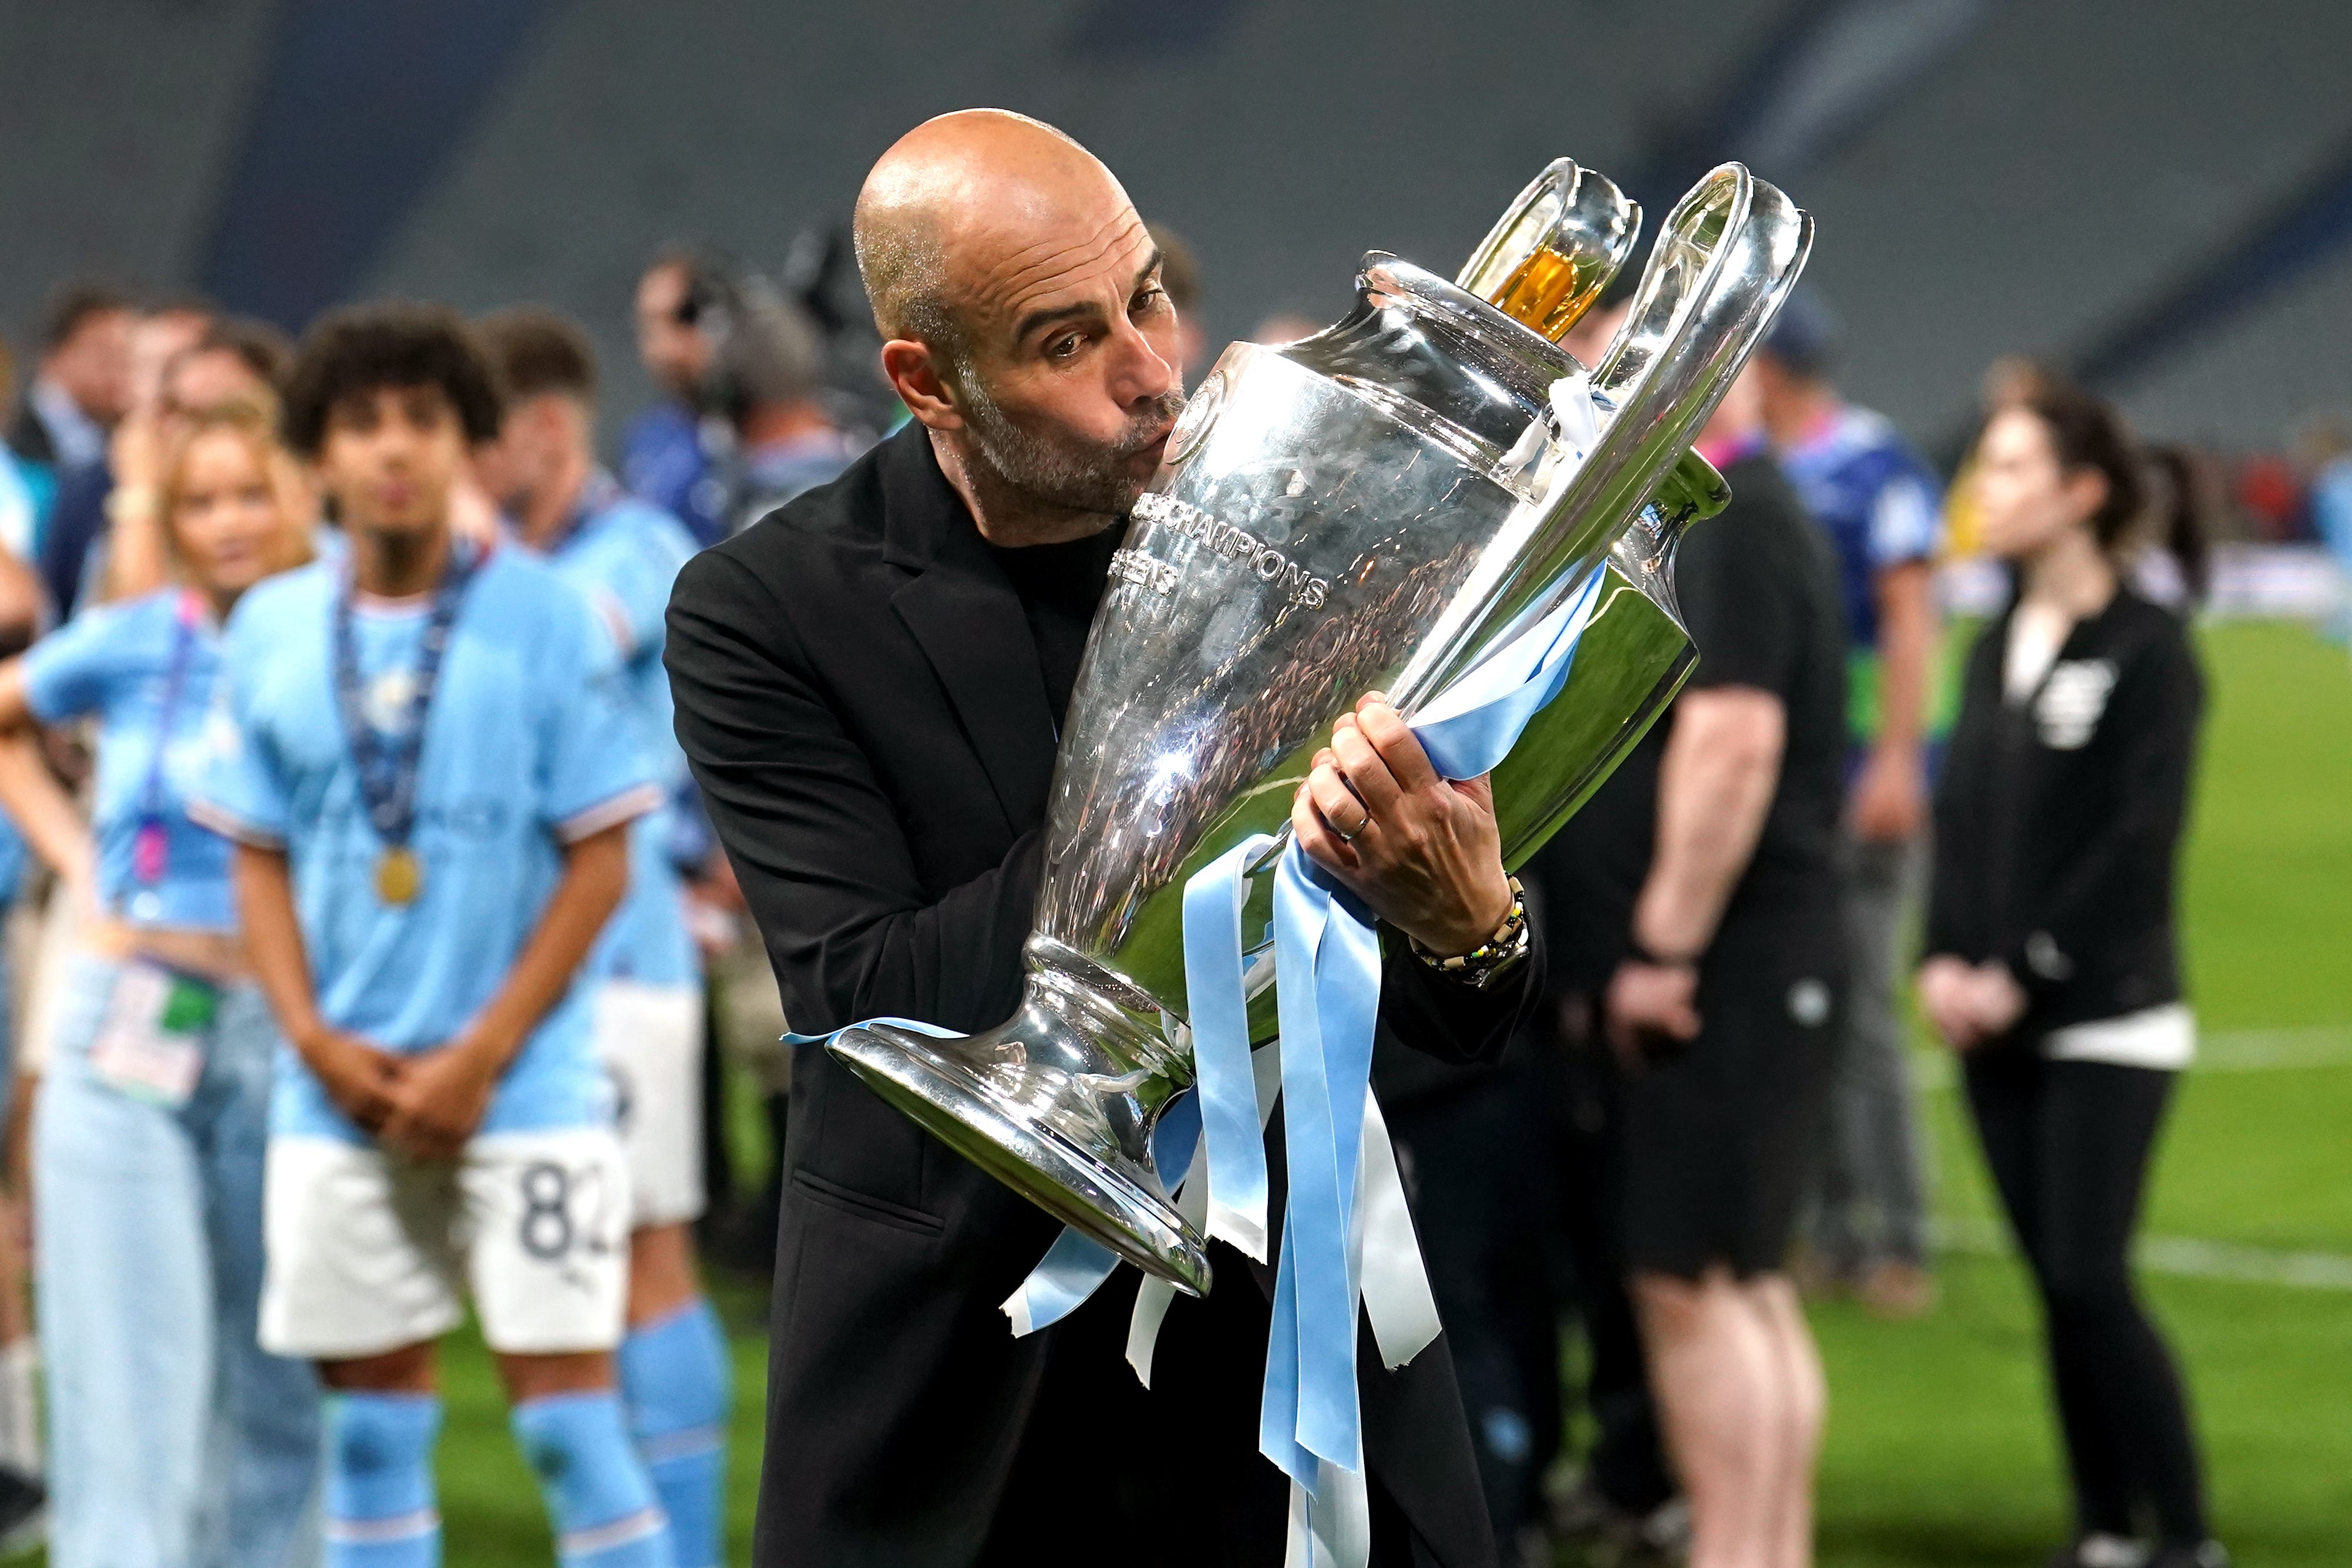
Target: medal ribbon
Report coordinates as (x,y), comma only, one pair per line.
(389,765)
(151,842)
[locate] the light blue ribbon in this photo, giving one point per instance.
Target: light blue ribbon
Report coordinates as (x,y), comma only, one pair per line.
(1324,935)
(1220,1047)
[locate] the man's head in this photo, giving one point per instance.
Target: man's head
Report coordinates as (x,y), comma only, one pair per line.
(1024,322)
(673,340)
(162,334)
(236,361)
(86,348)
(1793,367)
(772,366)
(383,402)
(547,436)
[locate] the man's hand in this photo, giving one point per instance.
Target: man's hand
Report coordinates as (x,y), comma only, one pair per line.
(1998,999)
(1889,804)
(1651,1005)
(1969,1004)
(439,1099)
(356,1076)
(1422,851)
(1946,994)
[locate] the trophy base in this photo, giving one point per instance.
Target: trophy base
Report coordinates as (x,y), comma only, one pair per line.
(1055,1136)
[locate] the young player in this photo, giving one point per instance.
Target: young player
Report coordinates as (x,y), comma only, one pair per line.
(623,554)
(430,780)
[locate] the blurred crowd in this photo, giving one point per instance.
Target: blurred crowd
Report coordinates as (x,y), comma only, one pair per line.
(1713,1115)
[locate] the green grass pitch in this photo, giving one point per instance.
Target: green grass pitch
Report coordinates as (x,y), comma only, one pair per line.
(1940,1450)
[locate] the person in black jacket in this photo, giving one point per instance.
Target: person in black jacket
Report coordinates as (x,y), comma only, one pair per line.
(2052,966)
(869,686)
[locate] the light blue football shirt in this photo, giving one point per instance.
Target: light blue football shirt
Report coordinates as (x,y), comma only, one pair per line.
(528,745)
(624,554)
(114,661)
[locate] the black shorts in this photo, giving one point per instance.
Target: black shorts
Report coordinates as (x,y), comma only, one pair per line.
(1719,1135)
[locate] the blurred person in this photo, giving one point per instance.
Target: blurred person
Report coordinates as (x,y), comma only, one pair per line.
(785,438)
(2008,381)
(89,494)
(429,773)
(2325,444)
(869,682)
(1717,844)
(1867,1227)
(623,555)
(20,508)
(1179,274)
(21,1493)
(174,1438)
(2054,967)
(674,454)
(81,384)
(234,361)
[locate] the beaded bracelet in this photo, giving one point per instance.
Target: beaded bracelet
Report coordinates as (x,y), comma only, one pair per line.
(1479,966)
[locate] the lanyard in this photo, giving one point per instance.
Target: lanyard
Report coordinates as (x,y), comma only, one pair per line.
(151,842)
(389,764)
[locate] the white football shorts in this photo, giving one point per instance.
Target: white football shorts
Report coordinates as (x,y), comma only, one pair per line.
(370,1251)
(649,1039)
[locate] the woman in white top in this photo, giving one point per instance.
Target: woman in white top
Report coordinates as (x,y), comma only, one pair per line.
(2052,966)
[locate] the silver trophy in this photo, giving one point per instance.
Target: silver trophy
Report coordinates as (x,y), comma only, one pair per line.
(1349,512)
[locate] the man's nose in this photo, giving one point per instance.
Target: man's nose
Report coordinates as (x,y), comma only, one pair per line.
(1138,373)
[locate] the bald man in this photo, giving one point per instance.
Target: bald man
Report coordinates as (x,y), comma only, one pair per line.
(871,682)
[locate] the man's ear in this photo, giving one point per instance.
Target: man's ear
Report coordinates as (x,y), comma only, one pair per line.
(914,374)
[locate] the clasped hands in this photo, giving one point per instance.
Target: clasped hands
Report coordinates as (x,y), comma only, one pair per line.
(425,1106)
(1420,851)
(1969,1003)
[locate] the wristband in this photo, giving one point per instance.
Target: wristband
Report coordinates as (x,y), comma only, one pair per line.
(1499,953)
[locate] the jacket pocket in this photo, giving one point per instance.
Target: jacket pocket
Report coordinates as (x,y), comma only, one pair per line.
(833,1195)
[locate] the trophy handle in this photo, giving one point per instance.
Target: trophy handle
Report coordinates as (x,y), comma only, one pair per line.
(1725,258)
(1550,255)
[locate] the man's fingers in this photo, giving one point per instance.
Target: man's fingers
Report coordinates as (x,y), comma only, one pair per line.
(1367,771)
(1347,815)
(1315,836)
(1399,747)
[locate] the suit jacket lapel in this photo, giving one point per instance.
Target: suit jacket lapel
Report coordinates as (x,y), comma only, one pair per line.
(969,625)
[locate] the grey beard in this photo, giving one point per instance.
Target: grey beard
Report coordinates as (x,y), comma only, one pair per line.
(1084,479)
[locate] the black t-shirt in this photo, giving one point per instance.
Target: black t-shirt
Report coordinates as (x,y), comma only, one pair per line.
(1060,587)
(1759,590)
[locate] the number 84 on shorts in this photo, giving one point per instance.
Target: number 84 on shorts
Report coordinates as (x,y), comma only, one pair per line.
(369,1251)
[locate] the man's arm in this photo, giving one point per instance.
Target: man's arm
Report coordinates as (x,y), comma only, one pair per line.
(1890,796)
(1715,781)
(816,844)
(356,1076)
(439,1098)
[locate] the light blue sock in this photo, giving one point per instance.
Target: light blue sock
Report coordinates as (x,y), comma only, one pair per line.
(379,1511)
(596,1491)
(675,1379)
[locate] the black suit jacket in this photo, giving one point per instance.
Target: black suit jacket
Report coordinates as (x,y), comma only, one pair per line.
(859,693)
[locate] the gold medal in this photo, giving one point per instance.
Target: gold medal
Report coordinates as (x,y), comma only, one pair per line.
(398,875)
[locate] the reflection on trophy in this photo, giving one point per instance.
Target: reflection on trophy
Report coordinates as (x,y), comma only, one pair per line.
(1351,511)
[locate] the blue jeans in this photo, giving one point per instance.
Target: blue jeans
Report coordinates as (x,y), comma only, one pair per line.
(174,1439)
